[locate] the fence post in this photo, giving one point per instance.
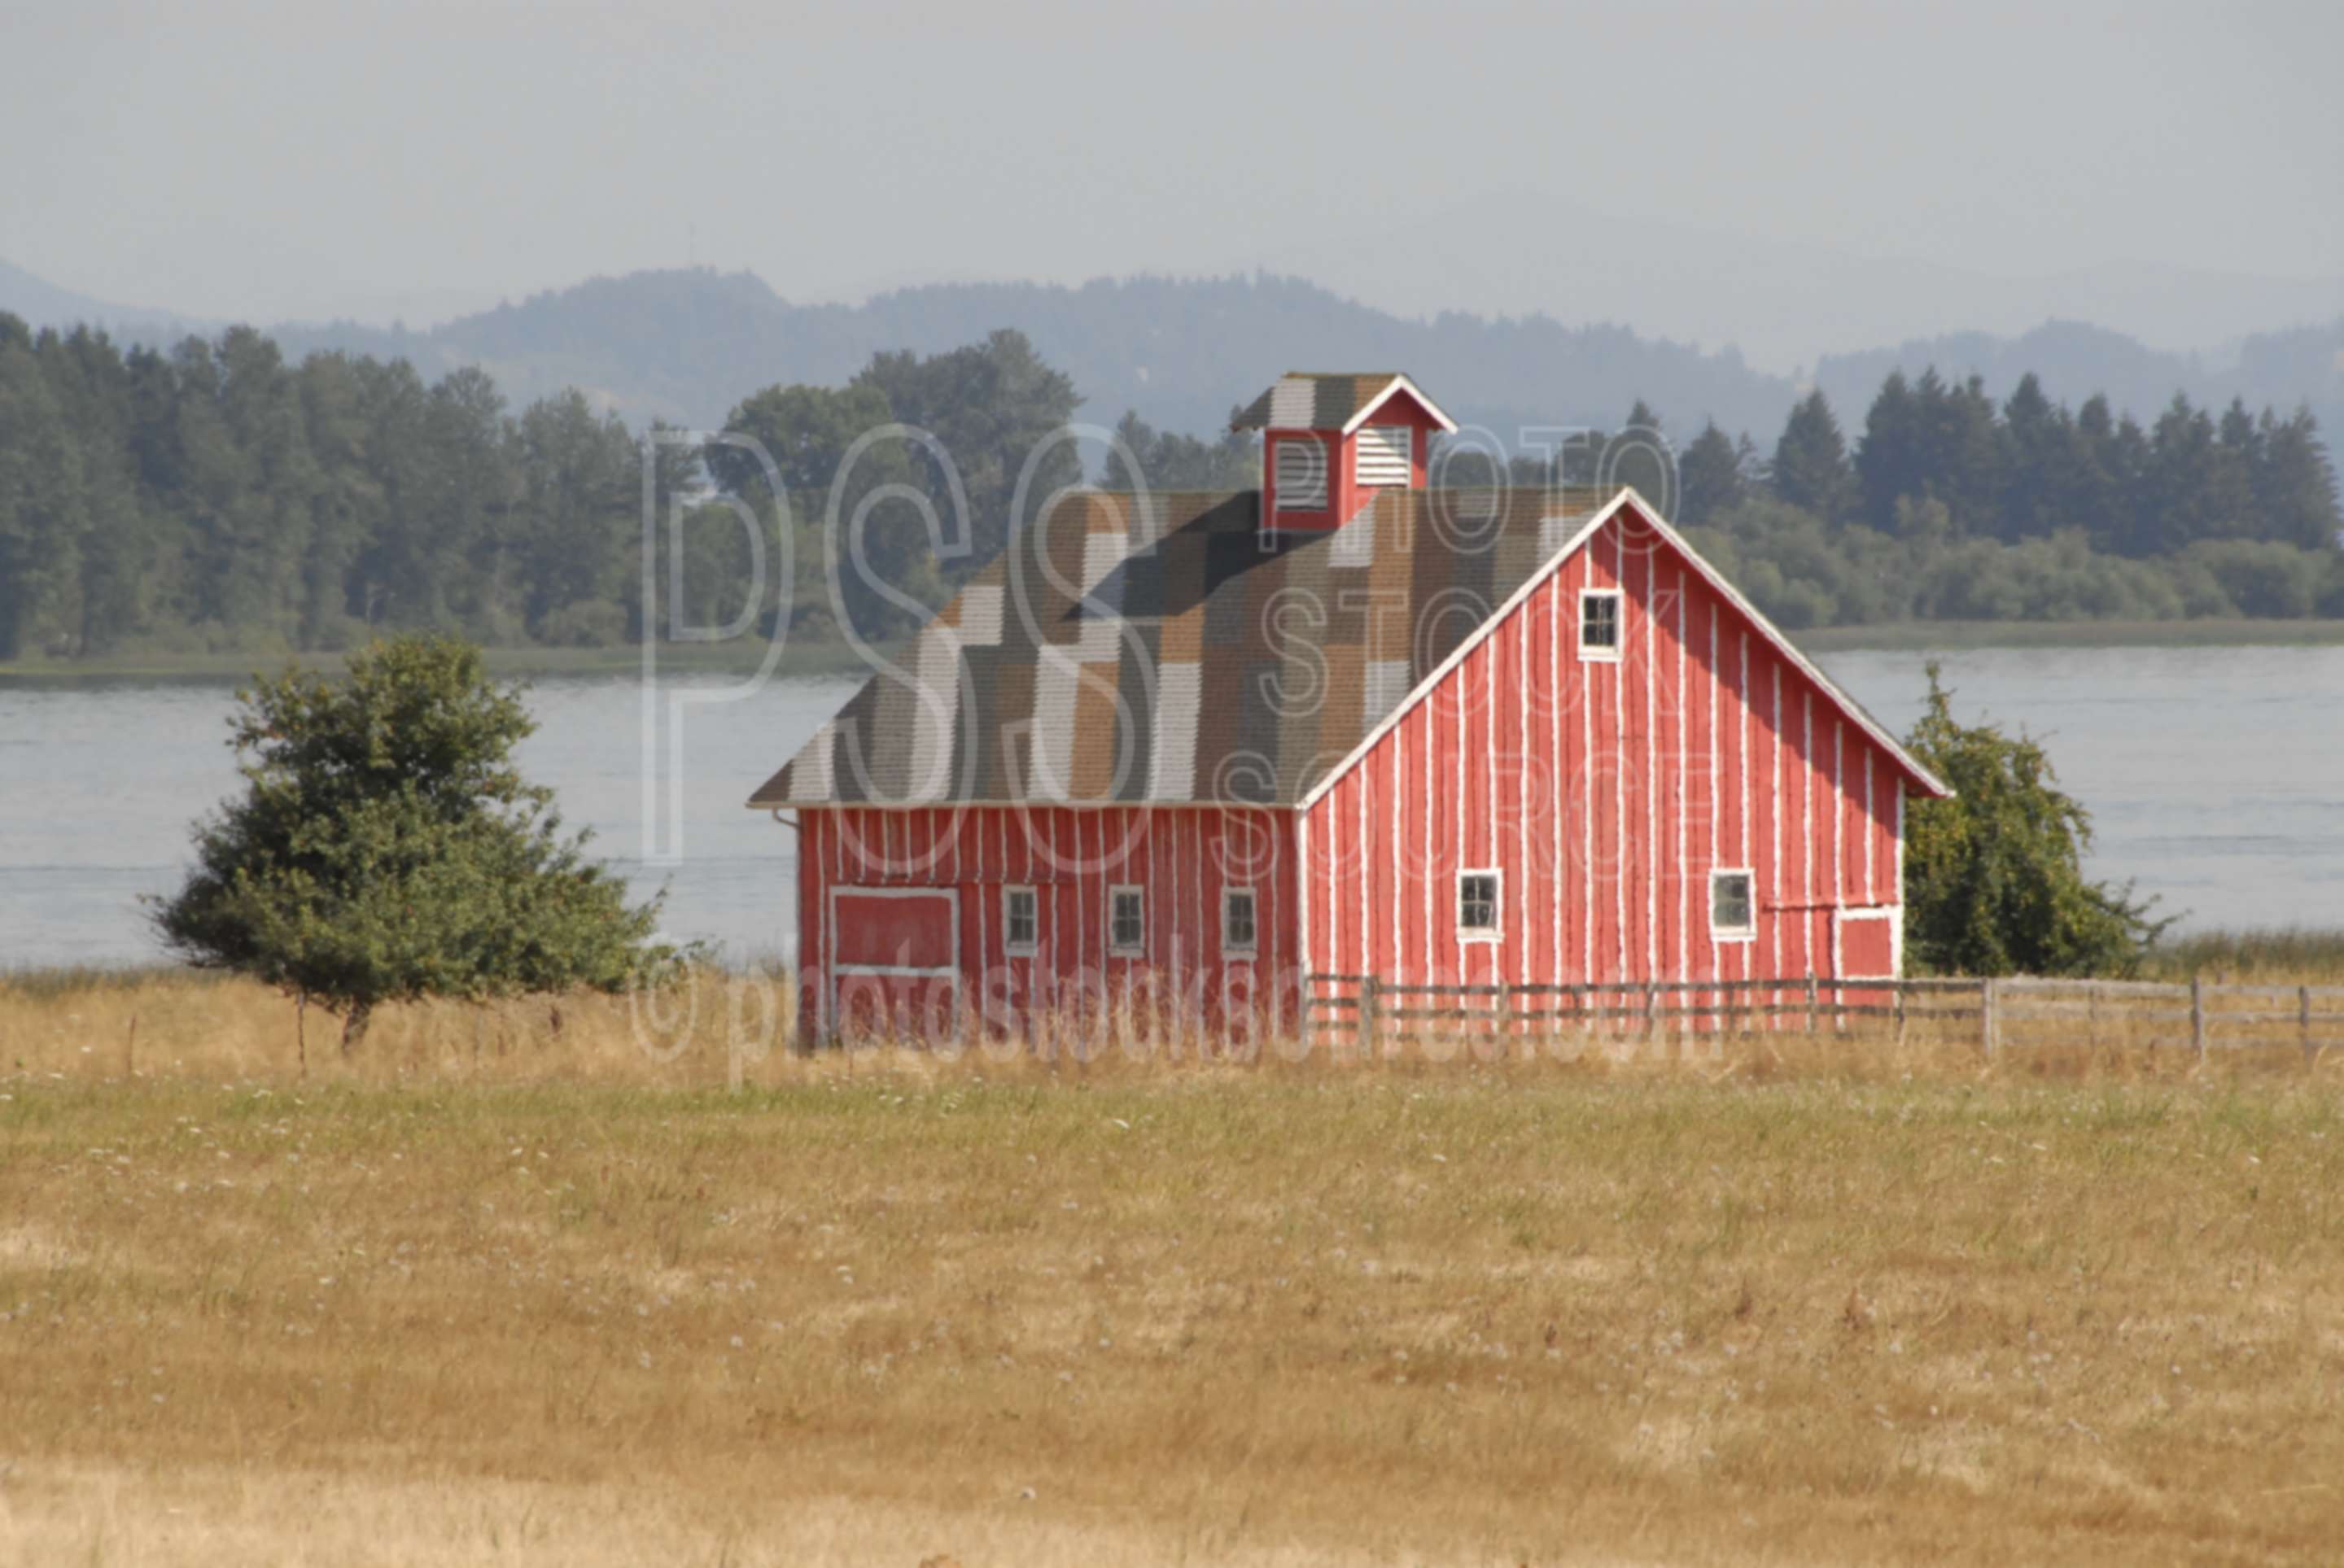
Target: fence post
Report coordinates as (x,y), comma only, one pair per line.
(1505,1021)
(1370,1026)
(1811,1002)
(2303,1013)
(1652,1015)
(1990,1013)
(1897,1000)
(2197,1015)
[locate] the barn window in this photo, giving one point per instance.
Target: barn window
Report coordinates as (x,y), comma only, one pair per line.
(1127,922)
(1381,455)
(1301,476)
(1021,921)
(1237,929)
(1598,623)
(1478,905)
(1732,906)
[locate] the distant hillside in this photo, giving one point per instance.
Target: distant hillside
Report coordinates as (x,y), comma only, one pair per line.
(2301,365)
(43,304)
(687,344)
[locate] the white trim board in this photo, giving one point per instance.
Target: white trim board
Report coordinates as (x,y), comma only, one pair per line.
(1399,383)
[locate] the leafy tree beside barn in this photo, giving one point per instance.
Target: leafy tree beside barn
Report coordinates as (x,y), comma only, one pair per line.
(1993,876)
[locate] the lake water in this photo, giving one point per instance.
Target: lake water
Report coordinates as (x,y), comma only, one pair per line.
(2215,777)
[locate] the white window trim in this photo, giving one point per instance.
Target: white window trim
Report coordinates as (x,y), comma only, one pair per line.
(1228,948)
(1490,933)
(1116,950)
(1589,653)
(1324,498)
(1021,950)
(1718,933)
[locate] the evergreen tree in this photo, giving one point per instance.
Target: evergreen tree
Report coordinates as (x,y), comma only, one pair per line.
(1890,461)
(387,848)
(1810,468)
(1710,471)
(2041,488)
(42,500)
(2294,484)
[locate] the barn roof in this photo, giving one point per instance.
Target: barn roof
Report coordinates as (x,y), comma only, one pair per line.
(1312,400)
(1168,648)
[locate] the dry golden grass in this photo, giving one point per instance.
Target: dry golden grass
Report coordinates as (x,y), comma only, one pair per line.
(555,1302)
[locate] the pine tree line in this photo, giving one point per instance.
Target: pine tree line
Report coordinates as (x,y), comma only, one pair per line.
(215,498)
(1949,508)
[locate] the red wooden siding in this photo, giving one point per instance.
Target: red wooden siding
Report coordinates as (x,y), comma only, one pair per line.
(1605,794)
(1184,858)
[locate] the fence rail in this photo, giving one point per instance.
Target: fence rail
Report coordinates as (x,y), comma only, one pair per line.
(2197,1014)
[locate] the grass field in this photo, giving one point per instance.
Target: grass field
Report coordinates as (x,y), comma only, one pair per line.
(504,1293)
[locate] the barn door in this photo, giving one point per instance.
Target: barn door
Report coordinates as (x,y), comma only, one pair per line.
(894,962)
(1865,945)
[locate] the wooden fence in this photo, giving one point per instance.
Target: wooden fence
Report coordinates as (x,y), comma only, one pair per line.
(2197,1015)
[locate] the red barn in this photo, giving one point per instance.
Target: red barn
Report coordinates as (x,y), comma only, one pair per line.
(1174,753)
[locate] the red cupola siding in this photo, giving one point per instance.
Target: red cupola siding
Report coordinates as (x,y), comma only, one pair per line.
(1329,442)
(1174,754)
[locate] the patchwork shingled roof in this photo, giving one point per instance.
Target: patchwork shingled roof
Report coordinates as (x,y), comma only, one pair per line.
(1303,400)
(1122,650)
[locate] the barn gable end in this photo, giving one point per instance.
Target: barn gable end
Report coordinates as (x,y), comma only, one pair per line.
(1604,795)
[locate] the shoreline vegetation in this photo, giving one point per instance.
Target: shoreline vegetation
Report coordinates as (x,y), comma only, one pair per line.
(218,503)
(808,659)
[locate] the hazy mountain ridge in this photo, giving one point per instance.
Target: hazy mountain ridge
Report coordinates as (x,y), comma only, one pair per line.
(687,344)
(2302,365)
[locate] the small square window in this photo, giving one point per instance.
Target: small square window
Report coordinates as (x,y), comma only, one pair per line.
(1599,624)
(1238,935)
(1733,905)
(1127,922)
(1478,906)
(1021,921)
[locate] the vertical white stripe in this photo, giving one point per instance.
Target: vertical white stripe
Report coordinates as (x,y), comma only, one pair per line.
(1583,685)
(1716,802)
(1870,829)
(1302,897)
(1486,738)
(1807,815)
(1360,884)
(1684,882)
(1391,804)
(1555,766)
(1334,891)
(1520,970)
(1652,771)
(1394,749)
(1083,875)
(1777,890)
(1619,759)
(1428,738)
(1838,810)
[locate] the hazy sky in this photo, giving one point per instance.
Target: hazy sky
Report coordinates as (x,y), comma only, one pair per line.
(297,160)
